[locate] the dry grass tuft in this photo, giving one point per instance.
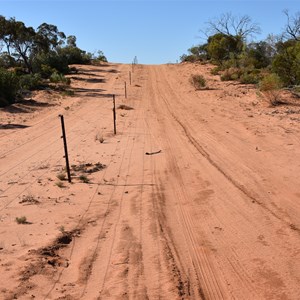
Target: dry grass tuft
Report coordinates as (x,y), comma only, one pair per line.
(99,137)
(22,220)
(198,82)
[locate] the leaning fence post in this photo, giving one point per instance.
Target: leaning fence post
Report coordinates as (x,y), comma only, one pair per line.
(114,115)
(130,77)
(65,146)
(125,90)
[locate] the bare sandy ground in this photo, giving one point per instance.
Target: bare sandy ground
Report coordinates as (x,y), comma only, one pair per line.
(199,197)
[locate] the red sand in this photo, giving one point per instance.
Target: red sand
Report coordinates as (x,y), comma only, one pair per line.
(214,215)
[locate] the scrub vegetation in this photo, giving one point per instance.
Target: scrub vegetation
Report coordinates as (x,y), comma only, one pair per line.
(270,63)
(31,58)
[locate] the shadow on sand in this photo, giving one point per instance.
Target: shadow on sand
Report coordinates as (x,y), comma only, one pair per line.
(13,126)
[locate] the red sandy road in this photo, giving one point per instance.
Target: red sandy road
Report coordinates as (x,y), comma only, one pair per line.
(215,215)
(235,221)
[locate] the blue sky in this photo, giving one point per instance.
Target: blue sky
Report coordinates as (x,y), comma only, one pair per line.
(154,31)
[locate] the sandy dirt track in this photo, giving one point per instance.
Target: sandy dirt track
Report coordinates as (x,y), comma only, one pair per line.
(199,197)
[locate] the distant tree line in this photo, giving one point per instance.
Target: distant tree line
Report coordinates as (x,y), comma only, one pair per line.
(276,58)
(29,58)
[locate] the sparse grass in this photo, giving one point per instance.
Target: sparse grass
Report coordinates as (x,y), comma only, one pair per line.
(88,167)
(84,178)
(62,229)
(43,167)
(82,170)
(198,81)
(61,176)
(29,199)
(21,220)
(99,137)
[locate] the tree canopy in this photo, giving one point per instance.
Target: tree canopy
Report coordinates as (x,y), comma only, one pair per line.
(25,46)
(239,27)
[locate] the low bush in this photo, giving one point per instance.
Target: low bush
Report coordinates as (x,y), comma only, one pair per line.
(270,85)
(83,178)
(47,64)
(231,74)
(270,82)
(100,56)
(74,55)
(61,176)
(188,58)
(59,78)
(215,71)
(198,81)
(9,87)
(249,78)
(226,76)
(30,81)
(60,184)
(21,220)
(46,71)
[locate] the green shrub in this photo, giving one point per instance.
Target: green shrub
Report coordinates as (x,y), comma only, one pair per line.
(226,76)
(59,78)
(100,56)
(46,71)
(215,71)
(287,63)
(188,58)
(30,81)
(231,74)
(231,63)
(9,87)
(249,78)
(48,63)
(74,55)
(84,178)
(235,76)
(198,81)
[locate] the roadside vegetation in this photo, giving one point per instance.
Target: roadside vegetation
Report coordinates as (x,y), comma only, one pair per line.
(198,81)
(272,63)
(32,59)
